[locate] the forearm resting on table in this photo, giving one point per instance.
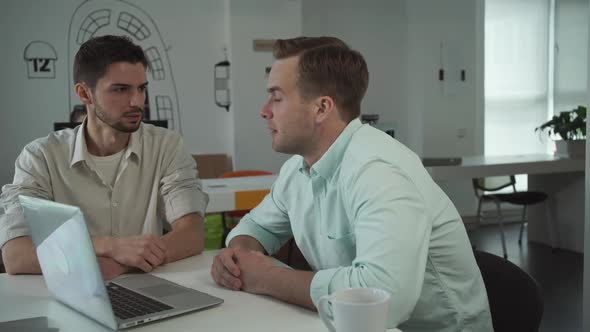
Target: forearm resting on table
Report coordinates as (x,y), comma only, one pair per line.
(291,286)
(20,257)
(246,242)
(187,237)
(288,285)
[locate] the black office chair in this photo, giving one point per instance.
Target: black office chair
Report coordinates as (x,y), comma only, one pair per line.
(515,298)
(484,188)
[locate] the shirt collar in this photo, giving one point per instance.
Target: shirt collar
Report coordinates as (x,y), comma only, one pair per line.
(134,146)
(331,159)
(80,152)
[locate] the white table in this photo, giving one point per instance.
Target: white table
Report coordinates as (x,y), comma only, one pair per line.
(230,194)
(26,296)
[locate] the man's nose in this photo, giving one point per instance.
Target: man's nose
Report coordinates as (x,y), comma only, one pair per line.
(265,112)
(138,99)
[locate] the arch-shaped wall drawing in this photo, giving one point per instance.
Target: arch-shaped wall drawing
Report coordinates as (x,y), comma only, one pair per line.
(99,17)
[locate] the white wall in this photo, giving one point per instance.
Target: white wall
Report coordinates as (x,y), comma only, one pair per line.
(193,34)
(194,31)
(401,43)
(446,118)
(249,20)
(28,108)
(377,29)
(400,40)
(448,108)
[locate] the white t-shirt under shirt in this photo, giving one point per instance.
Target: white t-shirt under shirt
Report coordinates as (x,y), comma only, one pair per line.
(108,166)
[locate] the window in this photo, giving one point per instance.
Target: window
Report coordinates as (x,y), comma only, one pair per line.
(517,76)
(571,54)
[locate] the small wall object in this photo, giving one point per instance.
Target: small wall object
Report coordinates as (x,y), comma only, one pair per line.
(40,59)
(221,79)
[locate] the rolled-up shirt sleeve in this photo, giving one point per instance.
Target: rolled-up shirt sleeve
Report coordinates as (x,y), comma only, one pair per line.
(180,187)
(31,178)
(268,222)
(392,231)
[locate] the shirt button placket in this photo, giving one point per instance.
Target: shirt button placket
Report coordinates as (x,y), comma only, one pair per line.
(316,185)
(114,208)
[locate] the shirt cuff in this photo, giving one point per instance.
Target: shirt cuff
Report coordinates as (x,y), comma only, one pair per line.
(11,227)
(320,284)
(248,227)
(184,202)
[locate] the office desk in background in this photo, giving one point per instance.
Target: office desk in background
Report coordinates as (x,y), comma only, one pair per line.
(242,193)
(561,178)
(26,296)
(484,166)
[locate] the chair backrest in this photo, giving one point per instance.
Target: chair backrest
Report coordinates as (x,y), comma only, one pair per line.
(515,298)
(493,183)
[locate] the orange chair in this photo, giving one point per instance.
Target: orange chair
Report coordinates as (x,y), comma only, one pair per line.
(240,213)
(240,174)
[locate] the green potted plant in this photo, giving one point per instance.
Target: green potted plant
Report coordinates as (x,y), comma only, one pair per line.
(570,126)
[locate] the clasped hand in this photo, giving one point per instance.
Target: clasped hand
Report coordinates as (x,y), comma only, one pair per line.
(144,252)
(241,269)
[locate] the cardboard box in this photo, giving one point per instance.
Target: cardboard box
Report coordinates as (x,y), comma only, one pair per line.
(212,165)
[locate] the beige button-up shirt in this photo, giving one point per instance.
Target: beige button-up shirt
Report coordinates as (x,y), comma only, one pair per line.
(156,183)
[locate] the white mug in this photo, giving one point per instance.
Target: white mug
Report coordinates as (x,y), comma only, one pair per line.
(355,309)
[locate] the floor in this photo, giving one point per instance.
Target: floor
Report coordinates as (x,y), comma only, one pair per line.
(560,273)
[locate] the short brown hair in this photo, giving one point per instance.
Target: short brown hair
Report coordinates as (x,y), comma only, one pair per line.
(96,54)
(327,66)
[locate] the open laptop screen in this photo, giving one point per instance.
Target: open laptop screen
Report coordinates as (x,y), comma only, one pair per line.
(67,257)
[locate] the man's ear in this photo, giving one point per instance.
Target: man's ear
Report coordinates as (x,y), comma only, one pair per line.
(83,93)
(324,107)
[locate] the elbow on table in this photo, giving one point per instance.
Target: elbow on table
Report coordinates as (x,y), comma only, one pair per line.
(19,256)
(200,243)
(374,276)
(13,264)
(404,294)
(11,268)
(199,247)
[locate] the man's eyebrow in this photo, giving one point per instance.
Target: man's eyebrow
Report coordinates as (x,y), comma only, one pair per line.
(273,89)
(128,85)
(120,85)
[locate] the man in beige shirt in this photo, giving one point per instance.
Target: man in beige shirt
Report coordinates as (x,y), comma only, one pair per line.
(128,178)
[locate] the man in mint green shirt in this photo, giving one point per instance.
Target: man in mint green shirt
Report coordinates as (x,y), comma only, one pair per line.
(359,204)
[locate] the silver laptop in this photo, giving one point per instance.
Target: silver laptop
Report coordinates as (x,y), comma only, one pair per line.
(73,276)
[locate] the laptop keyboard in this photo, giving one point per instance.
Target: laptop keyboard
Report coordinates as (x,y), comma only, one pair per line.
(129,304)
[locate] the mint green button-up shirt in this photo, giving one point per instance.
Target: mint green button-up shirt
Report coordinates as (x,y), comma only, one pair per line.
(368,214)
